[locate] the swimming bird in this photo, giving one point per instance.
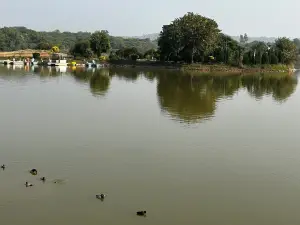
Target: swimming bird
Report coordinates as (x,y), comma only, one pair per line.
(141,213)
(28,184)
(101,196)
(3,167)
(33,172)
(43,179)
(59,181)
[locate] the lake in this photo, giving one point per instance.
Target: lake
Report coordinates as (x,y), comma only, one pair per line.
(188,149)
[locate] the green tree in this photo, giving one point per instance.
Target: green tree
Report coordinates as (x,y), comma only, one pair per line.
(246,39)
(43,45)
(242,39)
(100,42)
(192,34)
(273,59)
(169,42)
(16,38)
(226,49)
(265,58)
(297,43)
(128,52)
(287,50)
(198,33)
(82,48)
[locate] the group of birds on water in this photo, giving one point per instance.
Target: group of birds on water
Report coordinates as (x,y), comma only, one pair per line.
(43,179)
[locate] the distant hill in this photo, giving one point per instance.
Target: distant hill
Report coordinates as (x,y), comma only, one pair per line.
(251,39)
(237,38)
(152,37)
(20,38)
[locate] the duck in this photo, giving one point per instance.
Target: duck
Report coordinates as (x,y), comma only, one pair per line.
(33,172)
(101,196)
(3,167)
(43,179)
(141,213)
(28,184)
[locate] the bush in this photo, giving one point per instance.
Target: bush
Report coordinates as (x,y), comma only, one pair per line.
(113,57)
(103,58)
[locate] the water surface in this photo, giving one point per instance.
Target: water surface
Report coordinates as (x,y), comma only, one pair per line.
(214,150)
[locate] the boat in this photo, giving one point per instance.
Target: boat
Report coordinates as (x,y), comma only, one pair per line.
(17,63)
(3,61)
(57,59)
(91,64)
(6,62)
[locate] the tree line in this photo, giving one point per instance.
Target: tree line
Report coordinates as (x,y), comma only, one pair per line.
(19,38)
(190,38)
(195,38)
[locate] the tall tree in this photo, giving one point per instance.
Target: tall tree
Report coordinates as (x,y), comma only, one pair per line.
(191,34)
(287,49)
(246,38)
(198,33)
(242,39)
(100,42)
(169,41)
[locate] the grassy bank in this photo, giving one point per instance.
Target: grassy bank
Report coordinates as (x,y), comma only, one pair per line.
(232,69)
(204,68)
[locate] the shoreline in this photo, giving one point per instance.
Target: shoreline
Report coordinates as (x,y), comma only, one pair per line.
(203,68)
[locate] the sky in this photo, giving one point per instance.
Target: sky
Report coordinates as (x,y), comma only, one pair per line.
(270,18)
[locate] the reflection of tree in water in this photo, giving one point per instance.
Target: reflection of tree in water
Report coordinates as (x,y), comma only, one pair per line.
(99,83)
(193,98)
(99,80)
(128,74)
(82,76)
(149,75)
(185,98)
(280,87)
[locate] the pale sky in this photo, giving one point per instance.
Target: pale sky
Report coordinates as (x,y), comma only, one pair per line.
(137,17)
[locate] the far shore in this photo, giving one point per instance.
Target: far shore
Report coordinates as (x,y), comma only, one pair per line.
(203,68)
(196,67)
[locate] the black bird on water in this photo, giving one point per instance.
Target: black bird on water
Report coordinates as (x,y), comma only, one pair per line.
(141,213)
(33,172)
(3,167)
(101,196)
(28,184)
(43,179)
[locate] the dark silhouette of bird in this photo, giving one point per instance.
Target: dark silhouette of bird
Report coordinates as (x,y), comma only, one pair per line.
(141,213)
(33,172)
(28,184)
(101,196)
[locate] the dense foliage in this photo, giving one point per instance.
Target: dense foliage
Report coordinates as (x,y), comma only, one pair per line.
(18,38)
(100,42)
(194,38)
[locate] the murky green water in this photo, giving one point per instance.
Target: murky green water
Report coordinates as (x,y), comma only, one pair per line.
(190,150)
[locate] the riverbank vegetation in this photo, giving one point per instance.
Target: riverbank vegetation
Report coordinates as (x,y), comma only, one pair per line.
(187,40)
(194,38)
(20,38)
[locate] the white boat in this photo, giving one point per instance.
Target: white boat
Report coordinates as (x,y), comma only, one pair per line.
(57,59)
(17,63)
